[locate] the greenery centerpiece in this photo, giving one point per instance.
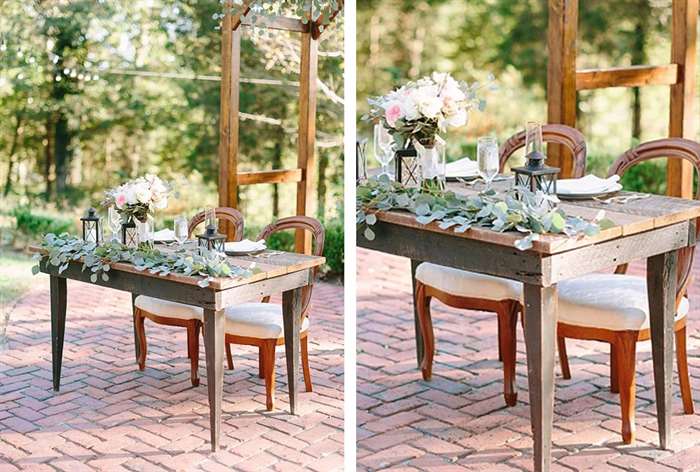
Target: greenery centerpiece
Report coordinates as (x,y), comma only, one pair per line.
(529,213)
(136,200)
(61,250)
(417,113)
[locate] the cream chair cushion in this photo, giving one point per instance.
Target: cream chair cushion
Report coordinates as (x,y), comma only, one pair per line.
(610,301)
(257,320)
(168,309)
(468,284)
(252,320)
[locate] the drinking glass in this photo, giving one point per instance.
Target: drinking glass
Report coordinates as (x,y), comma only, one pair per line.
(181,229)
(487,158)
(383,148)
(115,223)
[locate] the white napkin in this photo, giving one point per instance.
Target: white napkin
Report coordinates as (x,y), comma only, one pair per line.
(245,246)
(464,167)
(164,235)
(590,184)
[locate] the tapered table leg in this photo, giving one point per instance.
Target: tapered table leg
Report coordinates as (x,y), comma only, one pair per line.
(661,290)
(137,346)
(291,311)
(420,353)
(540,329)
(214,353)
(58,326)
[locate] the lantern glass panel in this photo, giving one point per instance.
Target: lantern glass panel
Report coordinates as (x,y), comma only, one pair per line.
(408,170)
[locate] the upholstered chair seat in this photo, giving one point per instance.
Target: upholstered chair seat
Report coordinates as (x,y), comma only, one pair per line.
(467,284)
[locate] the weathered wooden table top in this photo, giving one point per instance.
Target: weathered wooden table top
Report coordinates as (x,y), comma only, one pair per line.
(278,263)
(630,218)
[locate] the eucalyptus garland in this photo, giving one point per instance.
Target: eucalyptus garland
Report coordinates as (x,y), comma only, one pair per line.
(65,248)
(533,214)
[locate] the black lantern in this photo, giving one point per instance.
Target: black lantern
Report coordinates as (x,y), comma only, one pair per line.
(535,175)
(91,227)
(407,163)
(211,239)
(130,237)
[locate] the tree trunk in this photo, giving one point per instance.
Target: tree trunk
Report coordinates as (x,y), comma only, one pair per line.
(322,187)
(639,56)
(48,158)
(276,164)
(62,138)
(13,149)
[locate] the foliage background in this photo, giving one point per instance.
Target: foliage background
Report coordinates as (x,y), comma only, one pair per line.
(406,39)
(94,92)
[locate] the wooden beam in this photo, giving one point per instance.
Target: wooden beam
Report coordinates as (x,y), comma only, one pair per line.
(282,23)
(228,117)
(269,177)
(682,115)
(634,76)
(561,75)
(306,146)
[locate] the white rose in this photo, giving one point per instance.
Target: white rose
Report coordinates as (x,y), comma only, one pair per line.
(143,195)
(161,204)
(430,107)
(130,195)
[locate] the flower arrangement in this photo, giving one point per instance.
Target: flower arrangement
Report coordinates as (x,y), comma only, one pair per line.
(138,198)
(423,109)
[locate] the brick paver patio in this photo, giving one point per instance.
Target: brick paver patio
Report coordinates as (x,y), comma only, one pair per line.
(110,416)
(458,421)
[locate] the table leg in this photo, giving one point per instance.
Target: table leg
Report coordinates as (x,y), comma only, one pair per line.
(214,352)
(137,346)
(291,311)
(58,326)
(661,290)
(540,328)
(420,353)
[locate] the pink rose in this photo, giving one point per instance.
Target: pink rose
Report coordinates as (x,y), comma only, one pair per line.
(120,200)
(392,113)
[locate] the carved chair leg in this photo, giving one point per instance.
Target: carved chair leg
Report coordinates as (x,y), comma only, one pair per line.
(683,377)
(507,343)
(193,349)
(614,381)
(305,362)
(625,347)
(563,357)
(268,360)
(229,357)
(141,335)
(261,363)
(426,327)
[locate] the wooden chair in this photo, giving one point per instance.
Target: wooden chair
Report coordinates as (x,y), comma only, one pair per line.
(169,313)
(472,291)
(261,324)
(613,308)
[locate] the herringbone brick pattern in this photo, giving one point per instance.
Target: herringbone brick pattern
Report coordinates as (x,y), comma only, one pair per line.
(458,421)
(110,416)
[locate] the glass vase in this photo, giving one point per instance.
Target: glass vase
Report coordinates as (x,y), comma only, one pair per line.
(432,164)
(144,231)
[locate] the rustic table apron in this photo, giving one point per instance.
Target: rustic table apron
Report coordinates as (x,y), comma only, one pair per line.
(540,274)
(212,300)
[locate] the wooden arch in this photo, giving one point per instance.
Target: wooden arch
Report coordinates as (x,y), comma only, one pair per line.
(563,80)
(229,177)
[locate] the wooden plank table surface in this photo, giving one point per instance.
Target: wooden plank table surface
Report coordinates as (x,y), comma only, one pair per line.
(653,228)
(274,272)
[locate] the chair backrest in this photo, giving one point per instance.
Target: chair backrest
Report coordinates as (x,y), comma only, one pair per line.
(673,148)
(569,137)
(231,215)
(318,235)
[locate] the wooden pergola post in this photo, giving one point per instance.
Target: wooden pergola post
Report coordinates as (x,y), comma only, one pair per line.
(563,81)
(303,175)
(682,115)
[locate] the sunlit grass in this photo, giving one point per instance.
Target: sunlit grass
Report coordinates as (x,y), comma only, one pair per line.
(15,276)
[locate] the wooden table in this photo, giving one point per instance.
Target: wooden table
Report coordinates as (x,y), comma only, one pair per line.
(652,229)
(285,272)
